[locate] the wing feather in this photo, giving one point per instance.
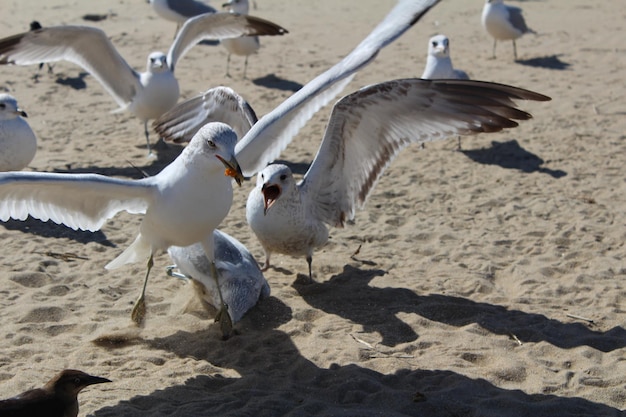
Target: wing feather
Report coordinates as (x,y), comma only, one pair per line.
(216,26)
(85,46)
(368,128)
(219,104)
(79,201)
(271,135)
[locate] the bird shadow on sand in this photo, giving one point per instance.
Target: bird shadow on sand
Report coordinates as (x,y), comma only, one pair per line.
(163,155)
(77,83)
(51,229)
(376,310)
(274,379)
(511,155)
(549,62)
(276,83)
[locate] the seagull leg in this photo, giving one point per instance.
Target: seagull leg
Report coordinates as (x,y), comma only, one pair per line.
(266,265)
(147,133)
(309,260)
(222,317)
(458,143)
(514,50)
(139,309)
(227,66)
(245,68)
(493,52)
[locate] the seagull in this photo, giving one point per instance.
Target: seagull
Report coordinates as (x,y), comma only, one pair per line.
(503,23)
(58,398)
(244,46)
(365,132)
(34,25)
(182,204)
(241,283)
(179,11)
(218,104)
(438,62)
(268,137)
(148,94)
(18,143)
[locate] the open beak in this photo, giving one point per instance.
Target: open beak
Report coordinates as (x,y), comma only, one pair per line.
(270,195)
(232,169)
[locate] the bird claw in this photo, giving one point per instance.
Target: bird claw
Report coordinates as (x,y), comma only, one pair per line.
(223,318)
(139,312)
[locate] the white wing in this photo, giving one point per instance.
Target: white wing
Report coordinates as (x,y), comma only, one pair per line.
(219,104)
(85,46)
(216,26)
(267,139)
(79,201)
(368,128)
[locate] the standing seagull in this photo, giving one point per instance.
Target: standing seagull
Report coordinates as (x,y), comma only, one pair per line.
(18,143)
(58,398)
(365,132)
(182,204)
(244,46)
(148,94)
(180,10)
(438,62)
(503,23)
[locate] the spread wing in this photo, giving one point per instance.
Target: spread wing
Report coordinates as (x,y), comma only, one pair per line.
(82,45)
(368,128)
(216,26)
(219,104)
(79,201)
(267,138)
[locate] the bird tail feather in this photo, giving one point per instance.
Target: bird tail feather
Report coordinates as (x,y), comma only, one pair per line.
(139,250)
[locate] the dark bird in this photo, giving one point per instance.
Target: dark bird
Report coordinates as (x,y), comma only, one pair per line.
(56,399)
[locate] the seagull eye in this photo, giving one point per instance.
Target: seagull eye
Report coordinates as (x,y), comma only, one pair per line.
(283,177)
(210,143)
(434,43)
(2,106)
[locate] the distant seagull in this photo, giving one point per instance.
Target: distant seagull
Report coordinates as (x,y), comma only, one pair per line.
(243,46)
(34,25)
(365,132)
(179,11)
(438,62)
(148,94)
(18,143)
(58,398)
(503,23)
(218,104)
(182,204)
(241,282)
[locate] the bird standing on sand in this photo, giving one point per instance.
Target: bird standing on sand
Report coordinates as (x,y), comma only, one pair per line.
(243,46)
(58,398)
(365,132)
(18,143)
(148,94)
(438,61)
(503,23)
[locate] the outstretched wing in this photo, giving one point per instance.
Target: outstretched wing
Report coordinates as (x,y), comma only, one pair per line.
(267,139)
(216,26)
(219,104)
(79,201)
(368,128)
(86,46)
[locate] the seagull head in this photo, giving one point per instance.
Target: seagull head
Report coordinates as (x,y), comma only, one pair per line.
(157,62)
(217,140)
(272,181)
(237,6)
(438,46)
(9,109)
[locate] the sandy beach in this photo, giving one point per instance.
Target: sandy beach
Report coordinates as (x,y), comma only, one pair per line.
(489,281)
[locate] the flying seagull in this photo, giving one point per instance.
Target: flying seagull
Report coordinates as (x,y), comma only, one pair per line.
(147,94)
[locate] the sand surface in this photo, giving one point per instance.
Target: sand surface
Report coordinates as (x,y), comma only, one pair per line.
(473,265)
